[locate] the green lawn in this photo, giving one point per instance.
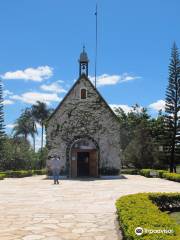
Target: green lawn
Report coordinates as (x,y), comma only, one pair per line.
(175,216)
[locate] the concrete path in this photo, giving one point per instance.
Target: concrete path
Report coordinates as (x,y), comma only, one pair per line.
(33,208)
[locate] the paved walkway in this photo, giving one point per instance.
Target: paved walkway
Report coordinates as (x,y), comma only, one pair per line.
(33,208)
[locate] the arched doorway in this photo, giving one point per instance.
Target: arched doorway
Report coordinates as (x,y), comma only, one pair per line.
(84,158)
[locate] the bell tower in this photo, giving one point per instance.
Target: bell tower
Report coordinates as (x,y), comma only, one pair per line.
(83,63)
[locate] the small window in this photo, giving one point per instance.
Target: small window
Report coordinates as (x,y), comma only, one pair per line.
(83,93)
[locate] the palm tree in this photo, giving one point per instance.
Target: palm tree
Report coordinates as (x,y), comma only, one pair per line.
(25,126)
(41,113)
(32,122)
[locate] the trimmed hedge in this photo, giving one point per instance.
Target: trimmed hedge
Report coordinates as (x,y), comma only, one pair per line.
(162,174)
(171,176)
(137,210)
(145,172)
(39,172)
(18,174)
(2,176)
(22,173)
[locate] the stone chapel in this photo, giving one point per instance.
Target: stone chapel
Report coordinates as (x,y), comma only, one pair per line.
(84,131)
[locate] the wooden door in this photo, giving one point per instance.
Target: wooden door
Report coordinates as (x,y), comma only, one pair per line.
(93,164)
(83,164)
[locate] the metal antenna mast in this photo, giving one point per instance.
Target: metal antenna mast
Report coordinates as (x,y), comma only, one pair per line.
(96,48)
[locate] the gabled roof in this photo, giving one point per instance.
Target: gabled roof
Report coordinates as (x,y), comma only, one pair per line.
(83,76)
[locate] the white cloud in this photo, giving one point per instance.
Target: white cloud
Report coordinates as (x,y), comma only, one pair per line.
(6,93)
(158,105)
(106,79)
(60,81)
(53,87)
(10,125)
(126,108)
(7,102)
(34,74)
(33,97)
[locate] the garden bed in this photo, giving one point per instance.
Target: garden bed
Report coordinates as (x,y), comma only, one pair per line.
(160,173)
(21,173)
(145,210)
(2,176)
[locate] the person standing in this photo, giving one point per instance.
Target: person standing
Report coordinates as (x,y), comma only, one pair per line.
(55,167)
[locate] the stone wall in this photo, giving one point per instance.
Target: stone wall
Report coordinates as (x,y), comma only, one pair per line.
(85,117)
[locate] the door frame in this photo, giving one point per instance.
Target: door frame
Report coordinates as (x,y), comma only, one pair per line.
(73,162)
(71,154)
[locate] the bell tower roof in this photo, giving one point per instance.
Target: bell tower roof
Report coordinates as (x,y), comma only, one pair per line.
(83,56)
(83,63)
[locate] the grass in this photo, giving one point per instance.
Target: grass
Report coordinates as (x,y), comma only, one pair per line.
(175,216)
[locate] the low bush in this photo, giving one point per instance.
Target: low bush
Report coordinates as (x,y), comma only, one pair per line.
(19,174)
(137,210)
(145,172)
(130,171)
(161,172)
(109,171)
(23,173)
(2,176)
(171,176)
(39,172)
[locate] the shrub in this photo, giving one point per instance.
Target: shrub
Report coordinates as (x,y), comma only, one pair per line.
(171,176)
(23,173)
(109,171)
(2,176)
(161,172)
(19,174)
(145,172)
(40,172)
(130,171)
(137,210)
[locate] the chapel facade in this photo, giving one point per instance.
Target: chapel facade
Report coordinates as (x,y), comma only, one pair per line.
(84,131)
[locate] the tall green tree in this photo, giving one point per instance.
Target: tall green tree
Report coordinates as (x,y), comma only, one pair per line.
(134,126)
(41,113)
(139,152)
(25,126)
(28,114)
(172,108)
(18,154)
(2,132)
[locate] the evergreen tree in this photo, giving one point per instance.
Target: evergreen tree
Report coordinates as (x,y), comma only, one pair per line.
(172,108)
(2,133)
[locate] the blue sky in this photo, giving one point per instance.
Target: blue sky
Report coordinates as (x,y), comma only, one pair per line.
(41,42)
